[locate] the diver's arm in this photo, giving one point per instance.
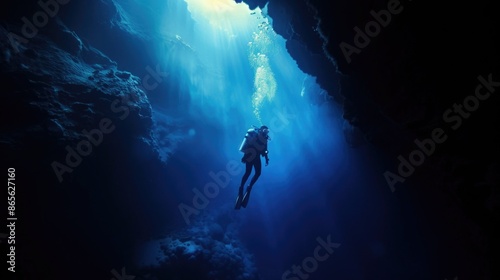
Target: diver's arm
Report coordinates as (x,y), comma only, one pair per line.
(265,154)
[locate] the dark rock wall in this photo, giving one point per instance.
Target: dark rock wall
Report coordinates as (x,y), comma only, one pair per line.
(57,89)
(398,86)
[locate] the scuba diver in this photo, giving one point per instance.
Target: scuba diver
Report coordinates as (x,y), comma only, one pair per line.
(253,146)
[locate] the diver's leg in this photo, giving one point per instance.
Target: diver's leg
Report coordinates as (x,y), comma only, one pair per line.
(239,198)
(248,170)
(257,164)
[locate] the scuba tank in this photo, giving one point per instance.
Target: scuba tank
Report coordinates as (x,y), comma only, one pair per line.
(251,133)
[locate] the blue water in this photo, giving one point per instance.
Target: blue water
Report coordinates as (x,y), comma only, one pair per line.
(228,70)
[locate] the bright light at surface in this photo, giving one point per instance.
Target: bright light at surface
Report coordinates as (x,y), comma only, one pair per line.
(212,6)
(218,12)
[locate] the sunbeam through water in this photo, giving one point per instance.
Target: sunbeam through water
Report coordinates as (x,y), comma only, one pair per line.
(236,72)
(233,71)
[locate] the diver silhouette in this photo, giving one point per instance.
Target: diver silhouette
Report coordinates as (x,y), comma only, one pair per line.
(253,146)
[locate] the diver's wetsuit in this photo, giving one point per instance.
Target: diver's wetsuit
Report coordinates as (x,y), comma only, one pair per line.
(256,164)
(257,148)
(254,146)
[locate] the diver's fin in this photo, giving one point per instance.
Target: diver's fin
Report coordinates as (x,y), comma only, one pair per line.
(237,206)
(239,199)
(246,198)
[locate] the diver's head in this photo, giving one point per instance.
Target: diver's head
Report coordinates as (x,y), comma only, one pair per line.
(264,130)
